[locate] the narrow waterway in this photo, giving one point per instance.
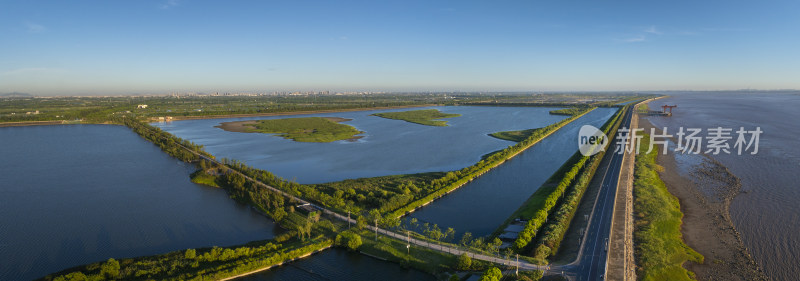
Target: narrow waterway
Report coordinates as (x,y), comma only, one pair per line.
(481,205)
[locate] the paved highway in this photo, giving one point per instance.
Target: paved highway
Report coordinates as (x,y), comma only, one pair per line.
(591,261)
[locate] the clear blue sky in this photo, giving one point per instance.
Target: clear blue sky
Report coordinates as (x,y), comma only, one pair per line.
(128,47)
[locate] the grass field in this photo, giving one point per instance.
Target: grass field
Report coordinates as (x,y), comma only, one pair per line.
(423,117)
(307,129)
(201,177)
(515,136)
(659,247)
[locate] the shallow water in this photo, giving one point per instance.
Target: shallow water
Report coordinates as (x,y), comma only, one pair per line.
(388,147)
(767,215)
(76,194)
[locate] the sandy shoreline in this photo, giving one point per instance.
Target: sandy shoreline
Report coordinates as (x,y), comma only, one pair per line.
(705,196)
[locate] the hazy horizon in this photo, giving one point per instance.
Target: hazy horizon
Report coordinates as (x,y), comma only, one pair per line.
(164,46)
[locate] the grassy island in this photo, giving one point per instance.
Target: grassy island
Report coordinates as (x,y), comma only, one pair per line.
(567,111)
(422,117)
(306,129)
(515,136)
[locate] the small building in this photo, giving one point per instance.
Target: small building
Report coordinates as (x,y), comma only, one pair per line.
(141,106)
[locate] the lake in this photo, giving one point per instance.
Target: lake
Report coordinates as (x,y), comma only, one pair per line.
(76,194)
(388,147)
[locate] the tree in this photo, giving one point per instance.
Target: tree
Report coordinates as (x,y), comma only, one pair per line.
(278,214)
(374,215)
(492,274)
(361,222)
(449,234)
(495,244)
(349,240)
(190,254)
(110,269)
(464,262)
(466,238)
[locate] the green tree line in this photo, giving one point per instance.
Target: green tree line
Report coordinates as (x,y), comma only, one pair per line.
(550,222)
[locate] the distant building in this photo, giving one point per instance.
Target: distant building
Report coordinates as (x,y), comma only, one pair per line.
(141,106)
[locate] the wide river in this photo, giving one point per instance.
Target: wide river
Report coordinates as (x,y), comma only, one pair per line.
(767,215)
(388,147)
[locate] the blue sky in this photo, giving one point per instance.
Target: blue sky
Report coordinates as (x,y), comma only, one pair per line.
(152,47)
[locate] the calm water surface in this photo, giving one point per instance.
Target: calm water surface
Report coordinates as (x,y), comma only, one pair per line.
(388,147)
(77,194)
(338,264)
(481,205)
(767,215)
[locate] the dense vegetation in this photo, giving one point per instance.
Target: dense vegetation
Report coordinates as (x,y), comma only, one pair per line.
(567,111)
(169,143)
(100,109)
(659,248)
(306,129)
(196,264)
(552,207)
(422,117)
(515,136)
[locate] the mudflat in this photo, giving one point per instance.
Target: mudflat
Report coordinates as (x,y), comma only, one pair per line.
(705,197)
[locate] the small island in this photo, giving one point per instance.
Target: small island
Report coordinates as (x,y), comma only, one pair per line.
(515,136)
(567,111)
(423,117)
(305,129)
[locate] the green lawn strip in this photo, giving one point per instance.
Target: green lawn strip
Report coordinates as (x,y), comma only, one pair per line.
(197,264)
(423,117)
(659,247)
(305,129)
(515,136)
(550,211)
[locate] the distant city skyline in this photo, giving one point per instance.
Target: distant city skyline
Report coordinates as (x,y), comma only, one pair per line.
(164,46)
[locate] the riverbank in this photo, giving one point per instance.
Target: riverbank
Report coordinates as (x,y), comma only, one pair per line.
(707,226)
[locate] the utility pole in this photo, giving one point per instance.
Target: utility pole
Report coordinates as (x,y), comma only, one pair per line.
(348,219)
(517,270)
(376,229)
(408,242)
